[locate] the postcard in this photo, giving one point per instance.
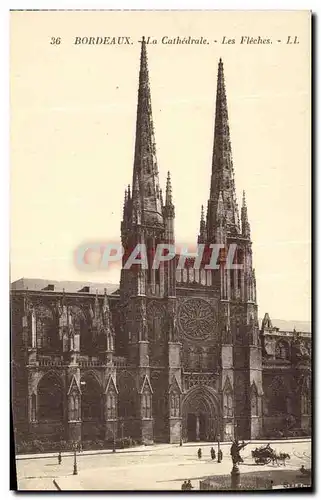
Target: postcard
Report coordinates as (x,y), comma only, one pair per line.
(161,250)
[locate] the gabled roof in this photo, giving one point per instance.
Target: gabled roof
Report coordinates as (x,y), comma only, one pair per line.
(111,385)
(146,383)
(74,385)
(175,386)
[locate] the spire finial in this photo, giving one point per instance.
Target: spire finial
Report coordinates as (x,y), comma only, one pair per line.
(243,200)
(169,197)
(202,233)
(246,230)
(202,214)
(169,209)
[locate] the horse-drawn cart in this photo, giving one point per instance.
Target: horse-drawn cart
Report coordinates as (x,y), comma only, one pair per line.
(263,455)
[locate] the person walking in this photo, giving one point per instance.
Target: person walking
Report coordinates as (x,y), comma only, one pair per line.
(219,455)
(199,453)
(213,456)
(59,458)
(189,486)
(184,486)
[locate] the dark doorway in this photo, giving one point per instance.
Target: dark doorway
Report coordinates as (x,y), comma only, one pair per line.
(191,427)
(203,427)
(91,409)
(50,400)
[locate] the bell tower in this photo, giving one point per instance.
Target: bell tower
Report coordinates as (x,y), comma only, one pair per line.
(147,291)
(241,357)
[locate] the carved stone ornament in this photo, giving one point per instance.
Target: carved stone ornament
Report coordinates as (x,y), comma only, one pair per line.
(196,319)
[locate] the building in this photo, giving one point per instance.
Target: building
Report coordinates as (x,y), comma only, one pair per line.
(172,354)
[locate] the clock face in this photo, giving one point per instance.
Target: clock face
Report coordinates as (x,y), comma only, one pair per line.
(196,318)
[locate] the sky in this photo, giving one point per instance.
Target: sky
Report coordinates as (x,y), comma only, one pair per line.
(73,113)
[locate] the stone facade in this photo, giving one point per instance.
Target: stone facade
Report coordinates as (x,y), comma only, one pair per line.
(173,354)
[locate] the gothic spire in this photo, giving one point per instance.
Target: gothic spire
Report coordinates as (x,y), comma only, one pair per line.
(222,179)
(202,233)
(246,229)
(169,210)
(145,164)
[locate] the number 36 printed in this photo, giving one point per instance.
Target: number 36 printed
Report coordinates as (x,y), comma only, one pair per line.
(55,40)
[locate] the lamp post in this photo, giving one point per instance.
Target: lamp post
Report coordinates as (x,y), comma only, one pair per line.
(75,473)
(180,437)
(114,437)
(218,449)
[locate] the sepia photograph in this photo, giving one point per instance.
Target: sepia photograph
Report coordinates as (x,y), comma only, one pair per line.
(160,254)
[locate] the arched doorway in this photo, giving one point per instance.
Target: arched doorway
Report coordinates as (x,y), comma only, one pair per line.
(91,408)
(200,412)
(48,407)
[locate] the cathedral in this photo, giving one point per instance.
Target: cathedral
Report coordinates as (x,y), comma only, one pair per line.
(171,354)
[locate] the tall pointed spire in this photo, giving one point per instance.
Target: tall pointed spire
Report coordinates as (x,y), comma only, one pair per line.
(222,179)
(145,163)
(246,229)
(202,233)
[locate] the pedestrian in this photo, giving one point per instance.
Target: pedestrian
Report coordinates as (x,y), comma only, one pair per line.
(59,458)
(219,456)
(184,486)
(199,453)
(189,486)
(213,453)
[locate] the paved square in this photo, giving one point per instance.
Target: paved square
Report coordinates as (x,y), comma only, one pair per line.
(159,467)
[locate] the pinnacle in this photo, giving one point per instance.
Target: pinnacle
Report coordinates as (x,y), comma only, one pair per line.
(169,197)
(202,213)
(244,200)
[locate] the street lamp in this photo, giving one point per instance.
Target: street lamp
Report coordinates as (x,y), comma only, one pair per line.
(180,438)
(75,473)
(219,459)
(114,437)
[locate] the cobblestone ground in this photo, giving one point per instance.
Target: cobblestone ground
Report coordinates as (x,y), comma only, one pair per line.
(159,467)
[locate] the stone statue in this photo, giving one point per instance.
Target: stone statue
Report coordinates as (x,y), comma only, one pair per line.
(235,451)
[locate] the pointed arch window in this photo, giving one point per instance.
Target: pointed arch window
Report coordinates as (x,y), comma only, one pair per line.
(111,405)
(282,350)
(33,408)
(146,405)
(228,400)
(74,413)
(306,398)
(43,323)
(174,404)
(50,398)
